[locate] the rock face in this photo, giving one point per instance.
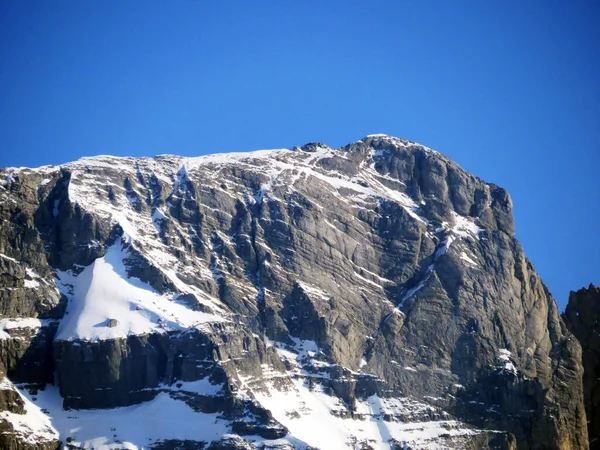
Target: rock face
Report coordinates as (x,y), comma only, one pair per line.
(582,317)
(372,296)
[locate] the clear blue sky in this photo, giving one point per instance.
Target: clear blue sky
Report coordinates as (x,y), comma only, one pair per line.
(508,89)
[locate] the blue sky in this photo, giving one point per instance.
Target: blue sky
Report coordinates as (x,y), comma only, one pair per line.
(508,89)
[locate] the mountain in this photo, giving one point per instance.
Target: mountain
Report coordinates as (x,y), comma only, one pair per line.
(372,296)
(582,317)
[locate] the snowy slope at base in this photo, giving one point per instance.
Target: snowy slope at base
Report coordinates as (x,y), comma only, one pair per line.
(325,422)
(133,427)
(103,291)
(308,415)
(34,426)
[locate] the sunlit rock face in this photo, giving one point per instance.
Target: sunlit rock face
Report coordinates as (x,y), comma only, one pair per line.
(372,296)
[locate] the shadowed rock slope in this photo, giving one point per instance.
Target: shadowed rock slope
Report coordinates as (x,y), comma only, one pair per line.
(374,295)
(582,317)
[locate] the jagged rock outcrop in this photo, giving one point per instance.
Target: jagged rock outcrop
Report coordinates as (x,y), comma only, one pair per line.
(292,292)
(582,317)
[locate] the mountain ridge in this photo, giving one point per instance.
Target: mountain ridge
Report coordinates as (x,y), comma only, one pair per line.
(379,281)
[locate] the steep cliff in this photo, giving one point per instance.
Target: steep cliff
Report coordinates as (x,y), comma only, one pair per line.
(373,295)
(582,317)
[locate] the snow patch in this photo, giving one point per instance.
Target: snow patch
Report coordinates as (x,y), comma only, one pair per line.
(503,355)
(129,231)
(2,255)
(466,258)
(504,363)
(132,427)
(228,158)
(465,227)
(315,418)
(20,323)
(32,427)
(104,291)
(313,291)
(10,178)
(443,249)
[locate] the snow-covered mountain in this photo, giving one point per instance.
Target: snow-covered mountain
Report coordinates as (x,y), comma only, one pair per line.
(372,296)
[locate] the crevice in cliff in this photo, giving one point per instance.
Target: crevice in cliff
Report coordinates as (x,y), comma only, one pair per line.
(255,277)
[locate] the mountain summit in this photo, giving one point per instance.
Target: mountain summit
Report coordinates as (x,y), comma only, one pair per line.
(372,296)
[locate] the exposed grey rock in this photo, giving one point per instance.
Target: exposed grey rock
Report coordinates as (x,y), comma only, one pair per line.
(10,441)
(121,372)
(16,439)
(582,317)
(11,401)
(26,357)
(401,267)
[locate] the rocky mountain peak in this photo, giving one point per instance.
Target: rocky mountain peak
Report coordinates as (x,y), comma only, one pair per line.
(373,295)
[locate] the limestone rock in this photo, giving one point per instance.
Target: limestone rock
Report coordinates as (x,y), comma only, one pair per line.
(376,283)
(582,317)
